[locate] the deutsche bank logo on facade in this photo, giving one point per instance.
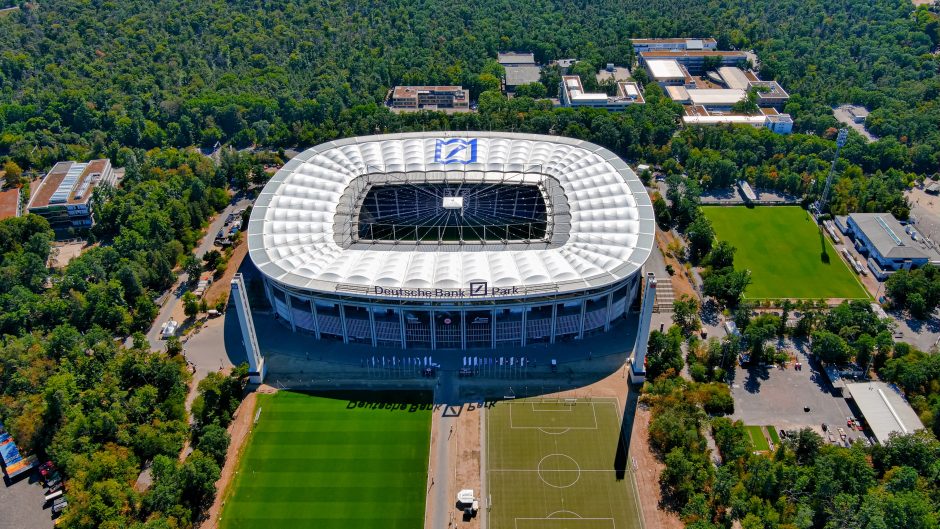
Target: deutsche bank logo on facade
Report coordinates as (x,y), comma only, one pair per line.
(478,288)
(455,151)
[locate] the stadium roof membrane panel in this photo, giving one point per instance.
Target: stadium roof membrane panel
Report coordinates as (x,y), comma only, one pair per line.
(294,236)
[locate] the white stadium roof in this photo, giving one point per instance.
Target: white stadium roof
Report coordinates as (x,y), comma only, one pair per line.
(300,229)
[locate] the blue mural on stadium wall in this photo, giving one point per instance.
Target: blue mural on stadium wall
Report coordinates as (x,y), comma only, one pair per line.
(455,151)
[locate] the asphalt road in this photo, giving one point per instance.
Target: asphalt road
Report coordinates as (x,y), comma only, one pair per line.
(176,292)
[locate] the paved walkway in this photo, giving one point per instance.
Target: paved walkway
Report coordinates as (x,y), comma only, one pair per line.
(175,294)
(442,492)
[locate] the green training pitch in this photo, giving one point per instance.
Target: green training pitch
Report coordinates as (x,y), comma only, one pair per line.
(558,464)
(787,254)
(333,460)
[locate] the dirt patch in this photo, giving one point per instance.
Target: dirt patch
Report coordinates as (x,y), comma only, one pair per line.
(681,281)
(429,507)
(221,285)
(238,430)
(648,470)
(63,252)
(468,472)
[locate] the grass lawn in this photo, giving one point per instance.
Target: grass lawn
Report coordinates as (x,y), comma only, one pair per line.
(786,252)
(773,435)
(333,460)
(758,441)
(553,465)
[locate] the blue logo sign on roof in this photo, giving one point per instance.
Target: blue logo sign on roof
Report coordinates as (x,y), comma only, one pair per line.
(455,151)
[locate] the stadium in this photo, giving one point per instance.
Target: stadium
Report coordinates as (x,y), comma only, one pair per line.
(475,240)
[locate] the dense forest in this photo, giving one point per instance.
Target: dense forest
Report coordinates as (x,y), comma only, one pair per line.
(142,81)
(70,392)
(77,77)
(804,482)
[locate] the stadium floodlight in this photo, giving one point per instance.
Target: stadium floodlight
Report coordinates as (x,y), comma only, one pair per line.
(840,142)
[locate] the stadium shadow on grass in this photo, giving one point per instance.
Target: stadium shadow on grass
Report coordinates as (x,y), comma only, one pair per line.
(621,460)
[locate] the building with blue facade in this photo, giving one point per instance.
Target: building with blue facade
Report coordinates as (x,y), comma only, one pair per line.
(888,243)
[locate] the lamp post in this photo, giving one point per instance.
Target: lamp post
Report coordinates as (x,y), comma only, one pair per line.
(840,142)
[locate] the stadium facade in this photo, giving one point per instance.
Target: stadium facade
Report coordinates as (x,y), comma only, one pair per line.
(472,240)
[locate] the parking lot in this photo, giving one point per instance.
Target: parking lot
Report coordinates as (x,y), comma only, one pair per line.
(22,505)
(777,396)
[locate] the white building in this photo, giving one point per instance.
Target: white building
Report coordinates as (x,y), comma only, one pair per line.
(673,44)
(357,241)
(668,72)
(572,94)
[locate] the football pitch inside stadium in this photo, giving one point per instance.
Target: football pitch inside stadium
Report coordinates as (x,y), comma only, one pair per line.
(333,460)
(786,252)
(559,464)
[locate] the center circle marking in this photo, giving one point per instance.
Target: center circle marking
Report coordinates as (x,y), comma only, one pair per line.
(559,471)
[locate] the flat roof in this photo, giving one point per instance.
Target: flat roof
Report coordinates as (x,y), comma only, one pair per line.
(678,93)
(692,53)
(665,69)
(884,409)
(734,77)
(678,40)
(889,237)
(630,90)
(512,57)
(519,75)
(299,231)
(9,202)
(716,96)
(67,183)
(413,91)
(726,118)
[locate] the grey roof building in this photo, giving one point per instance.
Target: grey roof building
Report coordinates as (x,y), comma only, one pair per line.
(520,75)
(891,245)
(884,409)
(515,59)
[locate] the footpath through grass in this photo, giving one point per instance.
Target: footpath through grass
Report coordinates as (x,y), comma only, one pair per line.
(333,460)
(787,254)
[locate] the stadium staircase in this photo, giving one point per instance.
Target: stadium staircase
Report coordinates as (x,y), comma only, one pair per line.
(664,296)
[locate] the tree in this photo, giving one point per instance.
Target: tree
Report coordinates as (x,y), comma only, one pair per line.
(661,210)
(13,175)
(193,268)
(533,90)
(721,256)
(664,352)
(758,331)
(214,441)
(685,311)
(830,347)
(727,286)
(701,235)
(190,305)
(174,345)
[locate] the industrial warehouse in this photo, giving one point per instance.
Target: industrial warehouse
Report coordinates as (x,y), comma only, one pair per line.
(472,241)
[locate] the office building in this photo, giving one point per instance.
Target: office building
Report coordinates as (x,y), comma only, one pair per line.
(64,195)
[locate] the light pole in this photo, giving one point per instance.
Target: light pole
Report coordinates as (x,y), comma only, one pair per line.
(840,142)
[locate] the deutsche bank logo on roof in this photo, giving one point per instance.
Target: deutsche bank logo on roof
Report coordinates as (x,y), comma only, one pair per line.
(455,151)
(478,288)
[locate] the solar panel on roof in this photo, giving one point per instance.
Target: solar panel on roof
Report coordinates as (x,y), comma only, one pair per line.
(62,192)
(884,225)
